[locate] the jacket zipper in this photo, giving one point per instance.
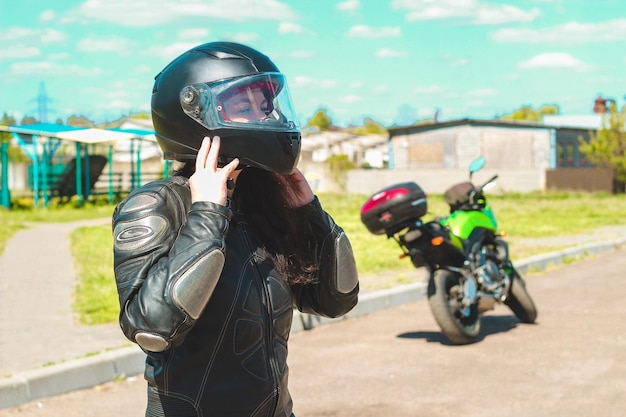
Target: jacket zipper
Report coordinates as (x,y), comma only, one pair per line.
(268,317)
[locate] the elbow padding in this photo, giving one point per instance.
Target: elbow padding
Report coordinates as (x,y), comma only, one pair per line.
(193,289)
(347,277)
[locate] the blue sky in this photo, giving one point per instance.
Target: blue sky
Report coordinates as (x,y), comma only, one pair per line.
(395,61)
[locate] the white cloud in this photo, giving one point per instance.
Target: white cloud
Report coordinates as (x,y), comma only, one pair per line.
(59,56)
(348,5)
(119,104)
(429,89)
(242,37)
(571,32)
(380,89)
(455,61)
(19,52)
(52,36)
(169,52)
(363,31)
(47,16)
(193,34)
(481,92)
(301,54)
(290,28)
(53,69)
(459,62)
(17,34)
(498,14)
(390,53)
(511,77)
(38,36)
(350,99)
(475,11)
(142,13)
(143,69)
(325,83)
(104,44)
(552,60)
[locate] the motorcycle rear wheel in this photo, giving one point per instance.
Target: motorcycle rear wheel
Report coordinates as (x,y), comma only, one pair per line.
(444,296)
(519,301)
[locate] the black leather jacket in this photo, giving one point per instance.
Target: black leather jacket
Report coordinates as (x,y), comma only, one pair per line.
(207,306)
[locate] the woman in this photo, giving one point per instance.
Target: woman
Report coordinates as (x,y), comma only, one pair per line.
(210,262)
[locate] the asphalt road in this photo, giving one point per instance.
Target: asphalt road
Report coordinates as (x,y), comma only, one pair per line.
(395,362)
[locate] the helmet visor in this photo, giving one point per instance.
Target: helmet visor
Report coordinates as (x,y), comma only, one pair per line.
(257,102)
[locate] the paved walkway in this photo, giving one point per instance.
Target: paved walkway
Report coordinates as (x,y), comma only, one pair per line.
(37,281)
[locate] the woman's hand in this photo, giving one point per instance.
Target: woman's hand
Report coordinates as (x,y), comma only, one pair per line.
(299,192)
(208,183)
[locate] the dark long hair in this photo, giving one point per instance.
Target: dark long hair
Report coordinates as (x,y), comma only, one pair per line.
(263,198)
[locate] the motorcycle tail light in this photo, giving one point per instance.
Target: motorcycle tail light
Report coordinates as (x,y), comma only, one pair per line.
(383,197)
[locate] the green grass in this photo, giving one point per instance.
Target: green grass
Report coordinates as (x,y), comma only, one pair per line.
(550,214)
(95,298)
(521,215)
(14,220)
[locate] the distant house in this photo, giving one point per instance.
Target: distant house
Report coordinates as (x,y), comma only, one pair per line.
(362,150)
(526,156)
(365,151)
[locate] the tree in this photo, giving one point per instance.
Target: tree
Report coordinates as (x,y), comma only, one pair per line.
(142,115)
(527,113)
(371,127)
(28,120)
(79,121)
(607,147)
(339,166)
(7,120)
(321,120)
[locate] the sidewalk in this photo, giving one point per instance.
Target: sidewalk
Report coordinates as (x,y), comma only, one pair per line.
(45,352)
(37,280)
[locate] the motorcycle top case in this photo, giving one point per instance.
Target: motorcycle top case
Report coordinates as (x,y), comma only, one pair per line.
(393,206)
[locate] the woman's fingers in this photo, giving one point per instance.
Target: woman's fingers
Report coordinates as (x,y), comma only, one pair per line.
(230,167)
(209,183)
(202,153)
(211,160)
(208,154)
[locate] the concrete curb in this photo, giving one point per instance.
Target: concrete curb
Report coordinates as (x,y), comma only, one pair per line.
(541,262)
(110,365)
(70,376)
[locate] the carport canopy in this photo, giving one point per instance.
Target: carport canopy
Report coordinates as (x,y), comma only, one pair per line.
(40,141)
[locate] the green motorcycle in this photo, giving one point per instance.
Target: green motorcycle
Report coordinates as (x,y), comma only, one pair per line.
(466,257)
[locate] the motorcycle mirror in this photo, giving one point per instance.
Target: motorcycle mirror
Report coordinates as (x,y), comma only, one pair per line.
(477,164)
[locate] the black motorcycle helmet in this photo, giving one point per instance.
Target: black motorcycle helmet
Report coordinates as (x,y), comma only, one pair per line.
(229,90)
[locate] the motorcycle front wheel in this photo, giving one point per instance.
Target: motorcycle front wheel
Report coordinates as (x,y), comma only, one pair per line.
(519,301)
(445,293)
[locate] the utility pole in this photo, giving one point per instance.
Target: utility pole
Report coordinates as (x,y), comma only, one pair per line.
(42,101)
